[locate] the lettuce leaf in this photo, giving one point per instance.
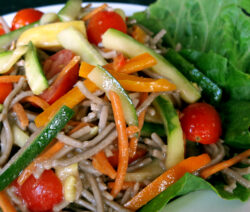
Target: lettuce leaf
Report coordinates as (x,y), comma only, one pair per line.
(236,123)
(189,183)
(235,83)
(219,26)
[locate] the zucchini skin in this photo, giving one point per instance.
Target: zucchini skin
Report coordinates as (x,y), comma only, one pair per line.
(149,128)
(33,149)
(210,90)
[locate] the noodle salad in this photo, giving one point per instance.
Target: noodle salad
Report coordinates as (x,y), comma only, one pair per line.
(104,112)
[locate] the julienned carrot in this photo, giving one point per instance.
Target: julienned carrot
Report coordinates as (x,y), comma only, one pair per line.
(101,163)
(70,99)
(93,12)
(138,63)
(134,141)
(166,179)
(224,164)
(132,130)
(5,203)
(37,101)
(47,154)
(10,78)
(122,142)
(21,115)
(125,185)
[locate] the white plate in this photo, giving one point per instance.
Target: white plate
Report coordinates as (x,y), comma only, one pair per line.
(205,201)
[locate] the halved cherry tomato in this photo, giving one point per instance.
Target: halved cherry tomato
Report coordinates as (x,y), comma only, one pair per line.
(5,89)
(41,194)
(63,83)
(55,63)
(25,17)
(102,21)
(201,123)
(114,158)
(2,32)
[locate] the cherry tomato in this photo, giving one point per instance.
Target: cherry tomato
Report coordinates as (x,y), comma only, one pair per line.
(201,123)
(5,89)
(63,83)
(2,32)
(41,194)
(25,17)
(114,158)
(55,63)
(102,21)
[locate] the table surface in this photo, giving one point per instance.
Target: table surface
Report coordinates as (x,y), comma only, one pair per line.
(8,6)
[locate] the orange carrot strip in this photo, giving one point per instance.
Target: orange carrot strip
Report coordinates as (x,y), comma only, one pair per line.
(166,179)
(101,163)
(125,185)
(134,141)
(138,34)
(138,63)
(122,142)
(21,115)
(37,101)
(5,203)
(93,12)
(10,78)
(132,130)
(224,164)
(47,154)
(70,99)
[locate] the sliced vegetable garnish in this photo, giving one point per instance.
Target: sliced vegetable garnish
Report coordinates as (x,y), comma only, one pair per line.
(5,203)
(175,150)
(102,164)
(33,70)
(6,88)
(36,101)
(21,115)
(34,147)
(138,63)
(105,81)
(6,39)
(70,99)
(10,78)
(9,58)
(63,82)
(70,11)
(45,36)
(122,141)
(210,90)
(224,164)
(114,39)
(166,179)
(74,40)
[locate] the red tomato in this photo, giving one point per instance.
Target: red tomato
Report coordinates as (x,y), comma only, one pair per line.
(2,32)
(41,194)
(55,63)
(25,17)
(5,89)
(201,123)
(63,83)
(102,21)
(114,158)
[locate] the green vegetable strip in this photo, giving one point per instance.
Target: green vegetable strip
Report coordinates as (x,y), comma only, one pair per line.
(210,91)
(33,149)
